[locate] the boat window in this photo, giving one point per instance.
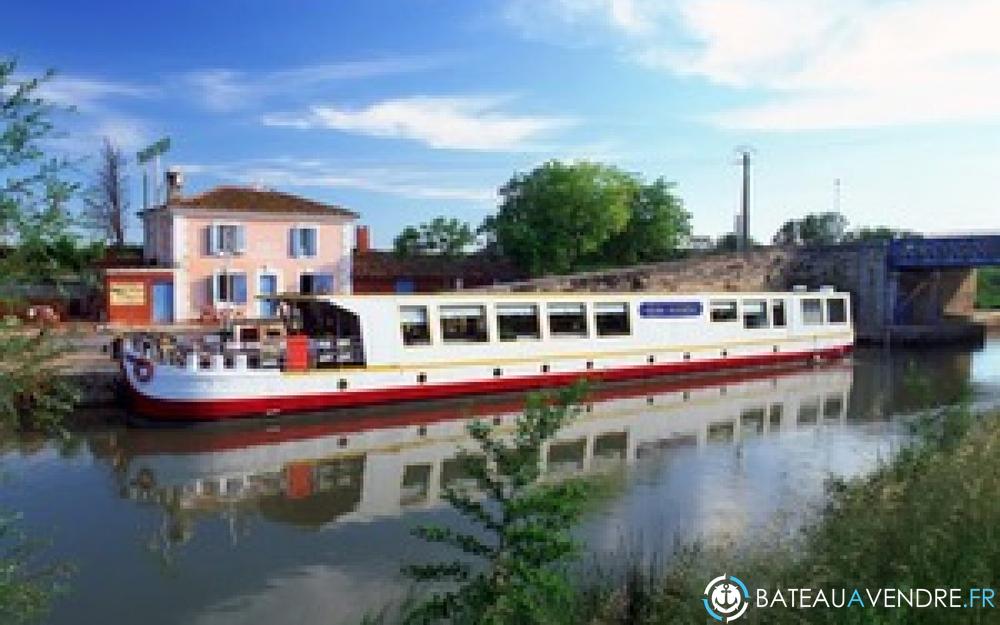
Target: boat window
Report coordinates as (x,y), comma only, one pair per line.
(836,310)
(415,325)
(723,310)
(463,324)
(517,322)
(567,319)
(611,319)
(755,313)
(778,313)
(812,312)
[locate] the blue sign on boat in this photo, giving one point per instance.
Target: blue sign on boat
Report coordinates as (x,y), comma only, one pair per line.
(669,310)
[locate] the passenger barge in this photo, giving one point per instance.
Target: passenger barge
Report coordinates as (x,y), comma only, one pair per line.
(330,351)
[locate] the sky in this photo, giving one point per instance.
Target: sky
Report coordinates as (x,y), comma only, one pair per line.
(406,110)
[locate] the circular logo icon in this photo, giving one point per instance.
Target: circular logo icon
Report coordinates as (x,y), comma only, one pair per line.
(726,598)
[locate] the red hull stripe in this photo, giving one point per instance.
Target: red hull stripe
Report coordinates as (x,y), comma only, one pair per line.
(216,409)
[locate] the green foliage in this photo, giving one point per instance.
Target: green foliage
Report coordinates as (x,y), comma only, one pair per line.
(35,225)
(813,229)
(26,586)
(988,287)
(560,216)
(33,394)
(656,228)
(447,237)
(512,570)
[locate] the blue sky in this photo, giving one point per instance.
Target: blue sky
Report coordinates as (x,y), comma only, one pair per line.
(406,110)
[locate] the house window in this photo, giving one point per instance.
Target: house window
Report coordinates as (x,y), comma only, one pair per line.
(836,310)
(611,319)
(226,239)
(466,324)
(566,319)
(723,310)
(755,313)
(778,313)
(304,242)
(812,312)
(316,284)
(516,322)
(414,324)
(229,288)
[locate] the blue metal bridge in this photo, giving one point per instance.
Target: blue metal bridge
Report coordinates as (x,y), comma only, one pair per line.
(944,252)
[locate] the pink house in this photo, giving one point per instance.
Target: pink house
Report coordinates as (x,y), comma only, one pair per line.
(226,246)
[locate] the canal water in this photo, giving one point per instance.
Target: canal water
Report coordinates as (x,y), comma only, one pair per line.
(308,520)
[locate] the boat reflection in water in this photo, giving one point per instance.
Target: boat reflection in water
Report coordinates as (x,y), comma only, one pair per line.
(362,465)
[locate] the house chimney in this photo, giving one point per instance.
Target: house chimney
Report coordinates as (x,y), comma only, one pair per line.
(175,183)
(362,239)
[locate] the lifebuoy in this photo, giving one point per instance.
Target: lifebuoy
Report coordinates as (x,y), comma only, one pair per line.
(143,370)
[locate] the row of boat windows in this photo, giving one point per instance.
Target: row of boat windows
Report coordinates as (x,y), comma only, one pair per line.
(514,322)
(762,313)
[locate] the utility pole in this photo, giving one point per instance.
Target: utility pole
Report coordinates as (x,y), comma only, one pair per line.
(744,153)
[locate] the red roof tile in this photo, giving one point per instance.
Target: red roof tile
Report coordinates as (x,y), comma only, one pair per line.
(258,200)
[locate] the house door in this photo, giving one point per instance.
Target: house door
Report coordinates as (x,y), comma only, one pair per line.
(268,286)
(163,302)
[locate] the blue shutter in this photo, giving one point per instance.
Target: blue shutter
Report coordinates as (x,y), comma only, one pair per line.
(310,241)
(210,240)
(239,295)
(241,239)
(295,243)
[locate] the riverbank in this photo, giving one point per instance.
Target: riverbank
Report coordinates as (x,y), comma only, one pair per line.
(927,519)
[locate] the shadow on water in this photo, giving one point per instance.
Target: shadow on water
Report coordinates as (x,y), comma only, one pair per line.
(308,519)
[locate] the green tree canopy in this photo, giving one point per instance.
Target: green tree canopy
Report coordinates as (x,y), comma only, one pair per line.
(657,227)
(441,235)
(813,229)
(562,217)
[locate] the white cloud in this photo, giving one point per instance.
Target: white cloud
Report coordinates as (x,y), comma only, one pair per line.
(816,64)
(88,94)
(463,123)
(226,90)
(290,172)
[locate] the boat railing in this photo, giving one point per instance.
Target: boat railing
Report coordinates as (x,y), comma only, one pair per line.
(214,352)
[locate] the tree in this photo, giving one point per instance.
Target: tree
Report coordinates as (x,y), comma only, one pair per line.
(813,229)
(106,201)
(443,236)
(657,226)
(32,196)
(523,526)
(558,216)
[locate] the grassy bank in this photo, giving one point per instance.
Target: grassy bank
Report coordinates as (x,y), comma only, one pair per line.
(988,288)
(930,518)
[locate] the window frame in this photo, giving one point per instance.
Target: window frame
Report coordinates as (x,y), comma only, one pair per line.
(427,323)
(296,249)
(820,306)
(586,332)
(217,277)
(216,238)
(498,313)
(486,338)
(736,310)
(764,307)
(627,309)
(828,317)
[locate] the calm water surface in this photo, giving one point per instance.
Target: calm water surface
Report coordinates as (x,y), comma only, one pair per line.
(308,521)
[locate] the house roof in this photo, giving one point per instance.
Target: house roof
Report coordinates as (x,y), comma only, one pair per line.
(388,264)
(258,200)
